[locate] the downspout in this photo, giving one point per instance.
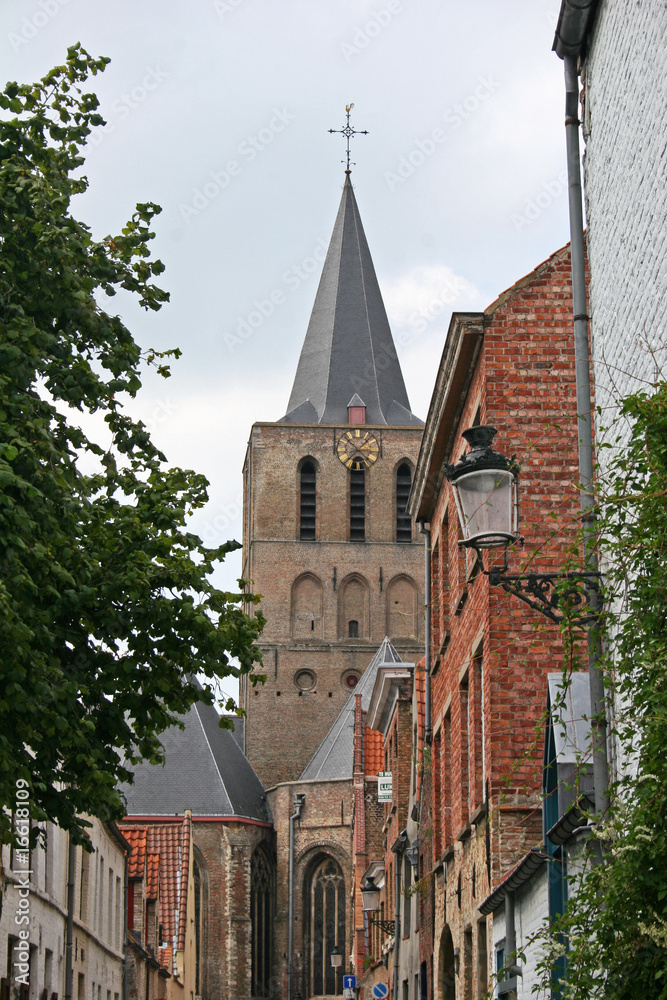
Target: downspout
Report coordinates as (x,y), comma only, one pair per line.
(126,948)
(426,532)
(298,806)
(585,433)
(397,848)
(71,865)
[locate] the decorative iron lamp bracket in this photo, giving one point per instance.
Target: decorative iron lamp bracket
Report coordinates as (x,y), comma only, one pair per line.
(388,926)
(541,592)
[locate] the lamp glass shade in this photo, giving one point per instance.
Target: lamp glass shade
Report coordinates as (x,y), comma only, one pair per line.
(486,500)
(336,957)
(370,896)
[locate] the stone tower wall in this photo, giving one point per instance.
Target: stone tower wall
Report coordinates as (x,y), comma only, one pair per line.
(378,582)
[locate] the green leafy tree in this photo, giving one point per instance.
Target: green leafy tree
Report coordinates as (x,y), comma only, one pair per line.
(107,610)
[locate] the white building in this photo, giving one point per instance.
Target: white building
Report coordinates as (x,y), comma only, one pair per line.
(33,921)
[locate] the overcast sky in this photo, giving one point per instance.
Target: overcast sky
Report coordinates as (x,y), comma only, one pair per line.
(218,110)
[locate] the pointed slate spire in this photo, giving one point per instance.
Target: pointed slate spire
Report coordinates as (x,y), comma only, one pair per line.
(348,348)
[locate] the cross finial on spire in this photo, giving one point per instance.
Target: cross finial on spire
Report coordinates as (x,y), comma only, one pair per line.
(348,132)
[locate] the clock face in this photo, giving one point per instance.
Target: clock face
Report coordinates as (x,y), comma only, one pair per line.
(358,449)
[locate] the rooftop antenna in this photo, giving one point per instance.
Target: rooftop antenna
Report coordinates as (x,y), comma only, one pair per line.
(348,132)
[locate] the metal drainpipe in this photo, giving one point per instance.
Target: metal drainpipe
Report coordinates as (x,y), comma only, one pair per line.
(585,431)
(397,849)
(512,966)
(126,944)
(69,972)
(397,919)
(426,532)
(298,806)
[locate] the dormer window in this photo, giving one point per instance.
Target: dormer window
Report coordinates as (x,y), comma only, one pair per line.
(356,410)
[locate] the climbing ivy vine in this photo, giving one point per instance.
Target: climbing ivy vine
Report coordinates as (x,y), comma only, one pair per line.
(614,931)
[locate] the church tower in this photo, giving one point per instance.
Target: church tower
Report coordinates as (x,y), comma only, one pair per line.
(326,540)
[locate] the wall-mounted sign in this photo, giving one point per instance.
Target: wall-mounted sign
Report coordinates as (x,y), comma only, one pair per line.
(384,786)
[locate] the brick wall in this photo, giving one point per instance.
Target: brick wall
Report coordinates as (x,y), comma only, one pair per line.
(491,653)
(323,829)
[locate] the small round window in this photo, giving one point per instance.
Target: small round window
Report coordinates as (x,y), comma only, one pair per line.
(350,679)
(305,680)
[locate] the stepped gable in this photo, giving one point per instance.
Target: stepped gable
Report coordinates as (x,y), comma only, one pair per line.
(205,771)
(349,350)
(334,757)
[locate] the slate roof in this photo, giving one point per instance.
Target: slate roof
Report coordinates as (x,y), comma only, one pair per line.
(205,771)
(348,348)
(334,757)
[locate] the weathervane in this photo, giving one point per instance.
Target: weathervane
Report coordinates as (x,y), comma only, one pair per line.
(348,132)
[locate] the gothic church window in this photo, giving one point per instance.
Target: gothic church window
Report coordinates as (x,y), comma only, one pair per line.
(403,487)
(307,511)
(357,505)
(353,608)
(325,927)
(402,622)
(262,891)
(307,607)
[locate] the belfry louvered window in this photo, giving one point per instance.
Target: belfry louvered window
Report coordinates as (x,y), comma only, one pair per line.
(357,505)
(403,519)
(307,512)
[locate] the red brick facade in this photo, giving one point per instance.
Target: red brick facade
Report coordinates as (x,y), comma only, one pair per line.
(511,367)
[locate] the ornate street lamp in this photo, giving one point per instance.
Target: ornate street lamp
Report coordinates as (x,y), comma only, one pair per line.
(336,957)
(370,903)
(485,486)
(485,490)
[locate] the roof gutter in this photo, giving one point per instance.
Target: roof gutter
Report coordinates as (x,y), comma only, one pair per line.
(574,20)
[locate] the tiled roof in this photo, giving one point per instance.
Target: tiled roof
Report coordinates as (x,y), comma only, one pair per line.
(348,333)
(152,870)
(373,751)
(334,757)
(161,856)
(205,771)
(136,864)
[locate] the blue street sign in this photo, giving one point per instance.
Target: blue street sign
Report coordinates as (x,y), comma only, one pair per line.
(380,991)
(349,982)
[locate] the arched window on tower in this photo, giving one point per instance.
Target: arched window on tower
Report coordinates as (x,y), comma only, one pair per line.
(402,618)
(403,487)
(325,927)
(307,511)
(357,505)
(262,893)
